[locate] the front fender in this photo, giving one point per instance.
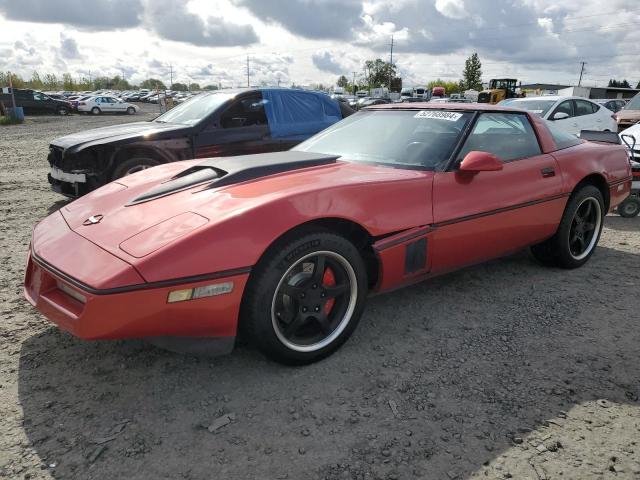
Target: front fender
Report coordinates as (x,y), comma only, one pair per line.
(239,239)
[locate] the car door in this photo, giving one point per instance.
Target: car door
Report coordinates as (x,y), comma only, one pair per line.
(569,123)
(240,129)
(587,116)
(487,214)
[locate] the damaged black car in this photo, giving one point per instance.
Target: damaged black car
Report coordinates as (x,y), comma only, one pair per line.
(212,124)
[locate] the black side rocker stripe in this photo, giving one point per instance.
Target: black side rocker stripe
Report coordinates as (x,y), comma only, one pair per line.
(140,286)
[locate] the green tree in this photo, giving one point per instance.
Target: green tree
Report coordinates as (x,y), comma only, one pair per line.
(210,87)
(472,73)
(16,80)
(638,85)
(180,87)
(449,87)
(379,72)
(36,81)
(51,82)
(152,84)
(67,82)
(194,86)
(343,82)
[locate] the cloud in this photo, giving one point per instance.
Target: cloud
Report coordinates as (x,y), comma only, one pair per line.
(94,15)
(317,19)
(68,48)
(506,30)
(171,21)
(327,62)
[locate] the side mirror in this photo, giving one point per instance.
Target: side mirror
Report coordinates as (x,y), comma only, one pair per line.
(476,161)
(560,116)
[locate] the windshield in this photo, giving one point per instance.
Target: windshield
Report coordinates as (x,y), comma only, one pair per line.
(634,104)
(541,107)
(195,109)
(413,138)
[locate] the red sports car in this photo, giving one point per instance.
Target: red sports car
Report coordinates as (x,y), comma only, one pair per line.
(286,247)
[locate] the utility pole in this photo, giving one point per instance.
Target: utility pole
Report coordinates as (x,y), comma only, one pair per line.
(248,84)
(354,83)
(391,65)
(581,72)
(170,76)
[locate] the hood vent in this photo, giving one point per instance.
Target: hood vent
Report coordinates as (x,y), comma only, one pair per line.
(221,172)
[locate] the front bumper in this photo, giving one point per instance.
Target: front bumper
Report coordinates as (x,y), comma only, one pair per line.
(139,312)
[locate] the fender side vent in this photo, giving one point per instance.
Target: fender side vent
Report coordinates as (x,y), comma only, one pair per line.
(415,256)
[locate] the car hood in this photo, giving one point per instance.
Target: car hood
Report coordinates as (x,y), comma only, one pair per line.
(125,220)
(115,132)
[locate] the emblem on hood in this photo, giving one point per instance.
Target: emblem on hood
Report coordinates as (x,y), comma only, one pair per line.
(93,219)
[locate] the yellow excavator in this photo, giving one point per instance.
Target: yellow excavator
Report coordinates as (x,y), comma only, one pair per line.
(499,89)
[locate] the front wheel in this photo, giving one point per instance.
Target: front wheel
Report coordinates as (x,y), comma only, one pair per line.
(131,110)
(96,111)
(305,298)
(63,111)
(630,207)
(133,165)
(578,232)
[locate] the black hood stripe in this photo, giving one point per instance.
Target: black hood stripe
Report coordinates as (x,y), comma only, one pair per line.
(221,172)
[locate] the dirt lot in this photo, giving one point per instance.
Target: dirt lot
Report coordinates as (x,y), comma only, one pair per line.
(505,370)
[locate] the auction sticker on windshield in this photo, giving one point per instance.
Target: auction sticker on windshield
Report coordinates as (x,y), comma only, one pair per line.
(439,115)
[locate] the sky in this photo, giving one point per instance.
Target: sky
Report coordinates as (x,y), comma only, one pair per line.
(315,41)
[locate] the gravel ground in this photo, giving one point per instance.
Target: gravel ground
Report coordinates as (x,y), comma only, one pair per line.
(504,370)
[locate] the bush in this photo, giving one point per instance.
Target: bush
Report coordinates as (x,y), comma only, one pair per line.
(9,121)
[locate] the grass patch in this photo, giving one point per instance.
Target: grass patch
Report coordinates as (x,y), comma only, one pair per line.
(9,121)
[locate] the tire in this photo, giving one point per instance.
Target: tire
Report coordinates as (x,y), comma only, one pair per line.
(293,312)
(96,111)
(62,111)
(133,165)
(630,207)
(131,111)
(578,233)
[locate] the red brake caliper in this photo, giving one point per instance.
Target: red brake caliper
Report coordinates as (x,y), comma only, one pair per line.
(329,280)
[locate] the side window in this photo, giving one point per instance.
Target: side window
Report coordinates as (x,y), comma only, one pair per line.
(564,107)
(38,96)
(245,112)
(584,108)
(561,137)
(508,136)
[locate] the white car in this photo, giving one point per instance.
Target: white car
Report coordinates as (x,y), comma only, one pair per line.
(631,138)
(572,114)
(106,104)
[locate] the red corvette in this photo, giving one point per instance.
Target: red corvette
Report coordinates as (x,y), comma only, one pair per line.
(287,246)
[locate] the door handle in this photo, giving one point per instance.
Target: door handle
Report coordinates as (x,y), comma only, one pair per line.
(548,172)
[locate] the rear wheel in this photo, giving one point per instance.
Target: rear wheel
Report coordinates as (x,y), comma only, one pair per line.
(578,232)
(131,110)
(96,111)
(133,165)
(62,111)
(305,298)
(630,207)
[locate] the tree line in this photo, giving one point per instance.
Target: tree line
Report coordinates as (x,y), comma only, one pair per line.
(52,82)
(378,73)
